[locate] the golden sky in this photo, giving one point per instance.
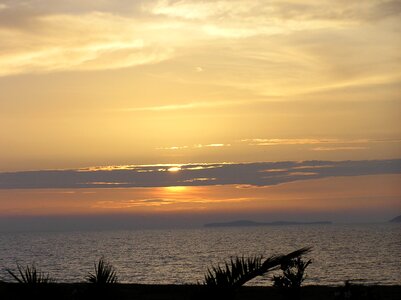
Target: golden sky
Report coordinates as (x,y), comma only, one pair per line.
(118,82)
(344,197)
(114,82)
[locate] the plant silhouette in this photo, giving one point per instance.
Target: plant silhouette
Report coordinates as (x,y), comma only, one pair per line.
(104,273)
(29,275)
(293,274)
(240,270)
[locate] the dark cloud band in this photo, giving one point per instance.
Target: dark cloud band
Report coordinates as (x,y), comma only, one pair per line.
(259,174)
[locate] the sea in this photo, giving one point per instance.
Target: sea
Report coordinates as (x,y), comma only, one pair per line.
(364,253)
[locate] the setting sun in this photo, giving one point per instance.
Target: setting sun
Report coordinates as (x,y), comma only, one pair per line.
(174,169)
(176,189)
(140,130)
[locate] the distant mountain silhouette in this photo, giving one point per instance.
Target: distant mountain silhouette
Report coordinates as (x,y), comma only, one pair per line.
(396,220)
(247,223)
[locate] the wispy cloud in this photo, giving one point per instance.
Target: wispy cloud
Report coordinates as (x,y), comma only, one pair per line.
(184,106)
(309,141)
(330,144)
(166,202)
(275,10)
(196,146)
(109,204)
(299,141)
(303,174)
(173,148)
(338,148)
(65,42)
(212,145)
(259,174)
(48,36)
(203,179)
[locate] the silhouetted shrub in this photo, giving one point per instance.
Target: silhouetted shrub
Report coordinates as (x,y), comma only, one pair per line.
(293,273)
(30,275)
(104,273)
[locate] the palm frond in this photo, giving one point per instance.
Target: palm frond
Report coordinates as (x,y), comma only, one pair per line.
(240,270)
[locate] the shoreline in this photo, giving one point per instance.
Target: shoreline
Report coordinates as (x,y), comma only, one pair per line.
(123,291)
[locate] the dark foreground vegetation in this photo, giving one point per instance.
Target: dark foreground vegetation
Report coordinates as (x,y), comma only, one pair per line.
(77,291)
(223,281)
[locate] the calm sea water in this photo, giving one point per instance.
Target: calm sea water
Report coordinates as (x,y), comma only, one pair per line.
(370,252)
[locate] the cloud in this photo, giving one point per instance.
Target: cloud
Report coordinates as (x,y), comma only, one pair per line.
(110,204)
(49,36)
(275,142)
(384,9)
(65,42)
(261,10)
(303,173)
(242,18)
(190,9)
(338,148)
(257,174)
(184,106)
(196,146)
(203,179)
(330,144)
(306,141)
(105,183)
(154,200)
(173,148)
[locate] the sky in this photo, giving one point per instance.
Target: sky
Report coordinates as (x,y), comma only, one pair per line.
(195,111)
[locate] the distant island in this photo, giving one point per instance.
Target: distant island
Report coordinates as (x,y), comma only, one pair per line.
(247,223)
(396,220)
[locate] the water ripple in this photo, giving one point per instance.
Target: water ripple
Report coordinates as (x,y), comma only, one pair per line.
(341,252)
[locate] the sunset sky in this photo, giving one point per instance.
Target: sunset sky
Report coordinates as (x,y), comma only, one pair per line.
(264,110)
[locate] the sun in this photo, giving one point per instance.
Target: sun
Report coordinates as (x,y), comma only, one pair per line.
(174,169)
(176,189)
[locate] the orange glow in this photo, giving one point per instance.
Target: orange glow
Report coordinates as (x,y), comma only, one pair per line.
(176,189)
(323,195)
